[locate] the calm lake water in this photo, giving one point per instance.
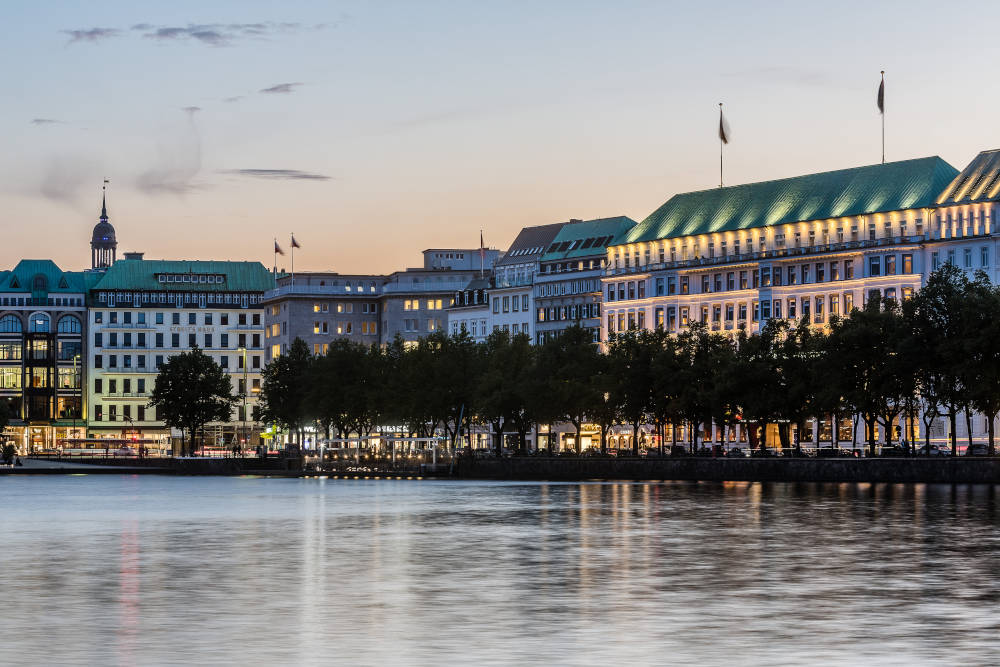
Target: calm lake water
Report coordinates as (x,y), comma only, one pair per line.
(146,570)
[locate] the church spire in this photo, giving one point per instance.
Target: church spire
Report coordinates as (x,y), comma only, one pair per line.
(104,200)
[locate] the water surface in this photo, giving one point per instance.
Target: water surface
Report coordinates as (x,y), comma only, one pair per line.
(144,570)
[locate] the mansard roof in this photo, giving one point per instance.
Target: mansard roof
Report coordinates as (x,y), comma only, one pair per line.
(530,244)
(582,238)
(857,191)
(22,278)
(143,275)
(978,182)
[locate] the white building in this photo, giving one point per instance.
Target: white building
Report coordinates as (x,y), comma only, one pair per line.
(809,246)
(144,311)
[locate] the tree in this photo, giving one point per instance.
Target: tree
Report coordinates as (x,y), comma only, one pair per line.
(285,388)
(503,389)
(982,366)
(568,365)
(630,356)
(190,391)
(939,325)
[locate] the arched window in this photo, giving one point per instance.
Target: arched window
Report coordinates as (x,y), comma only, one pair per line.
(69,325)
(39,283)
(39,323)
(10,324)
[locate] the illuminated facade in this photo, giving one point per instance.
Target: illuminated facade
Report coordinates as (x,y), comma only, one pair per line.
(812,246)
(42,354)
(144,311)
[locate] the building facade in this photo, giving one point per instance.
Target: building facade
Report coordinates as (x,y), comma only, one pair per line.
(811,247)
(142,312)
(568,286)
(512,306)
(320,307)
(415,301)
(43,354)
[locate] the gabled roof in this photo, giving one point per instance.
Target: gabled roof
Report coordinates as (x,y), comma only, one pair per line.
(833,194)
(530,244)
(141,274)
(583,238)
(980,181)
(22,278)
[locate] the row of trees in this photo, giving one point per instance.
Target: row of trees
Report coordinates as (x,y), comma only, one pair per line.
(935,355)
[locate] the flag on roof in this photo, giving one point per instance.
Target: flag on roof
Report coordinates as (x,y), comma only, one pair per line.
(277,249)
(723,127)
(295,244)
(881,95)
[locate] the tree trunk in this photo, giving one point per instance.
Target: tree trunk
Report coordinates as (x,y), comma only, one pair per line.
(635,438)
(968,425)
(953,421)
(579,445)
(989,429)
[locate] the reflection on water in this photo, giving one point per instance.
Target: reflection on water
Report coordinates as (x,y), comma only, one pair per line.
(147,570)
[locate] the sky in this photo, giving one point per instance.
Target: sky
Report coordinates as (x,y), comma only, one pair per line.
(375,130)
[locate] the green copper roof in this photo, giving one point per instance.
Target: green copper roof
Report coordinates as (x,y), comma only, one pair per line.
(980,181)
(587,237)
(53,279)
(833,194)
(142,274)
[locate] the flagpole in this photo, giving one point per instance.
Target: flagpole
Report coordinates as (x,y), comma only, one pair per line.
(292,244)
(276,256)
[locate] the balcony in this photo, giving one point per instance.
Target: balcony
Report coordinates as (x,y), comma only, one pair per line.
(778,253)
(337,291)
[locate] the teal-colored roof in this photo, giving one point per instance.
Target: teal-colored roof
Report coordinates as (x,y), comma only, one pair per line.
(980,181)
(877,188)
(587,237)
(22,278)
(142,274)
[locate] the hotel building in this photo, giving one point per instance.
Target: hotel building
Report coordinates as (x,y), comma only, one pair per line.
(144,311)
(811,246)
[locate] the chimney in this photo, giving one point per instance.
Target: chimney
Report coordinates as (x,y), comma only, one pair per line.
(134,255)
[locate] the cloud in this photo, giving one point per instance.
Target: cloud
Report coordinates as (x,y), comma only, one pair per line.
(64,178)
(282,88)
(177,165)
(191,110)
(235,98)
(91,34)
(44,121)
(214,34)
(279,174)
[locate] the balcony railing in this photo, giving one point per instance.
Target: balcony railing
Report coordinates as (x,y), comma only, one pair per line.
(338,291)
(778,253)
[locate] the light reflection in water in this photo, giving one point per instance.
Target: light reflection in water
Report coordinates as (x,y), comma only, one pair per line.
(144,570)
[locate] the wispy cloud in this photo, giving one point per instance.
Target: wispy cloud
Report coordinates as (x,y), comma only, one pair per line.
(177,165)
(92,35)
(281,88)
(191,110)
(235,98)
(44,121)
(214,34)
(279,174)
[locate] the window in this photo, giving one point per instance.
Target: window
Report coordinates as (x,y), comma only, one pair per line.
(192,318)
(967,256)
(175,318)
(791,308)
(848,269)
(39,323)
(192,341)
(159,318)
(908,263)
(848,302)
(890,265)
(69,325)
(820,272)
(874,266)
(834,270)
(804,272)
(984,256)
(496,304)
(731,281)
(935,261)
(820,302)
(175,340)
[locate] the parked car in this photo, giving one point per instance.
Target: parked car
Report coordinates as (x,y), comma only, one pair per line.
(932,450)
(977,450)
(893,450)
(736,452)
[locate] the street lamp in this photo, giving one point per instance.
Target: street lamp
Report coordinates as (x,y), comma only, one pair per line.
(244,417)
(77,388)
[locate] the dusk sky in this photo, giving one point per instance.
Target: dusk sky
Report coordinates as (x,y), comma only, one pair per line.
(373,130)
